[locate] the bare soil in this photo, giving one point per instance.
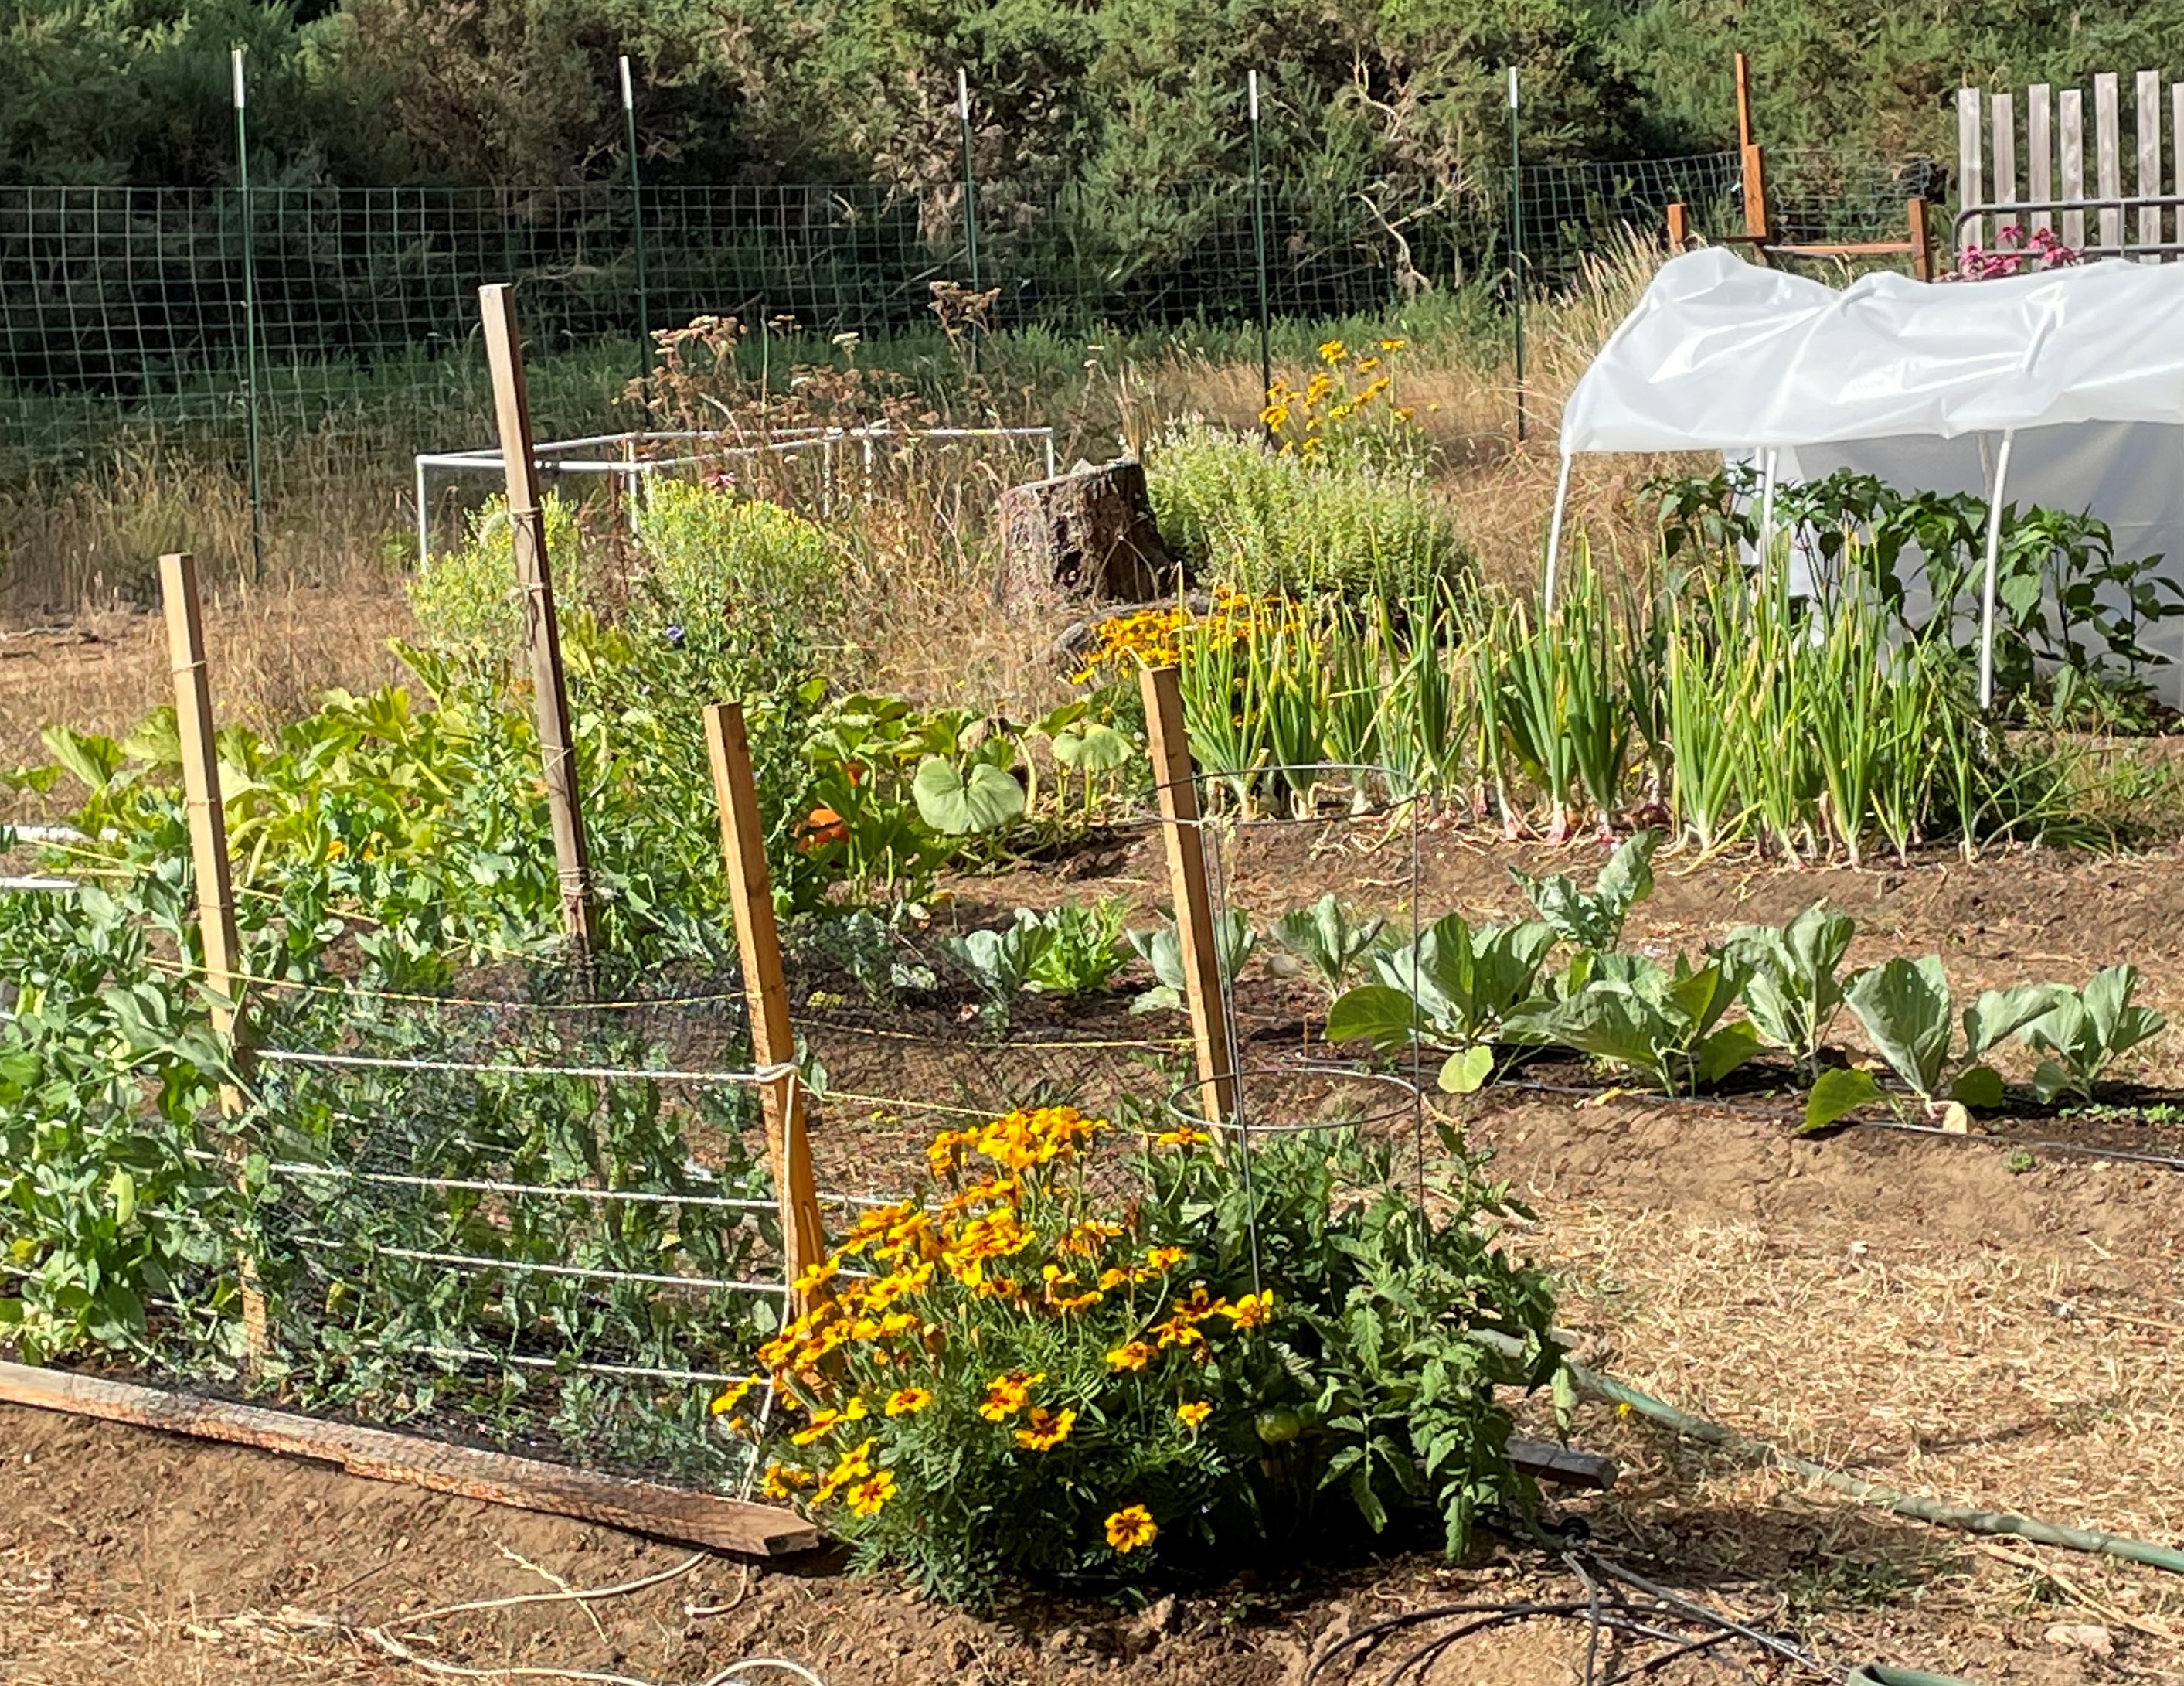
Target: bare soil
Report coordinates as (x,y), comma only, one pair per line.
(1907,1308)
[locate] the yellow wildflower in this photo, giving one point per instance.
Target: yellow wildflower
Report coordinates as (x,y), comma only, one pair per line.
(1251,1311)
(1332,352)
(1194,1412)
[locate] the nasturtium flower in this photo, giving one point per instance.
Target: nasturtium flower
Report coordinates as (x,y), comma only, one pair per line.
(1130,1527)
(1044,1430)
(1194,1412)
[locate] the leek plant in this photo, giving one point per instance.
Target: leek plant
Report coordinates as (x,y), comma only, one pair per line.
(1538,667)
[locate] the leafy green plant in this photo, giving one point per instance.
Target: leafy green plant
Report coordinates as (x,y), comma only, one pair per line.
(1126,1386)
(2087,1029)
(1665,1021)
(1084,947)
(1329,939)
(1904,1008)
(1002,962)
(1455,987)
(1161,949)
(1594,920)
(1790,987)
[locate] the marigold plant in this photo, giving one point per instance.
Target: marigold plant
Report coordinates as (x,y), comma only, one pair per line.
(1012,1372)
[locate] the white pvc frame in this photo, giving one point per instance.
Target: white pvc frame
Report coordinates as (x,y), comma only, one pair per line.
(593,453)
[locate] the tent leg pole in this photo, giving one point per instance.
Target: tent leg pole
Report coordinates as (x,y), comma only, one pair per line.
(1555,536)
(1766,506)
(1993,564)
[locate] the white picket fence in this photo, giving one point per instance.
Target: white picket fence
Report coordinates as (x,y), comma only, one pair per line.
(2054,153)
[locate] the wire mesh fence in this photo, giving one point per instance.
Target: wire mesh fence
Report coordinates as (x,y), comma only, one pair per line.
(124,308)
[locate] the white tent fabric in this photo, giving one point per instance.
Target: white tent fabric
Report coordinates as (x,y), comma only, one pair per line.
(1721,355)
(2079,371)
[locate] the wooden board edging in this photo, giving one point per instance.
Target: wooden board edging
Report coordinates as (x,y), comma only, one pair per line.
(680,1514)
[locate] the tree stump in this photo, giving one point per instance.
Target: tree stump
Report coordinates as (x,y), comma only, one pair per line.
(1090,533)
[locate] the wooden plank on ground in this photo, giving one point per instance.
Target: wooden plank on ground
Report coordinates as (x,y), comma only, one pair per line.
(1566,1465)
(702,1519)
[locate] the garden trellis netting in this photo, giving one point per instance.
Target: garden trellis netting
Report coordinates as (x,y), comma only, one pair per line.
(123,308)
(2063,387)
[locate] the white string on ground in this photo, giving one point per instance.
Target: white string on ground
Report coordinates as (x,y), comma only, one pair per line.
(755,1079)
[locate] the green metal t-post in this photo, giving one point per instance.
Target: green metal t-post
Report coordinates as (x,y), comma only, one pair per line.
(637,225)
(1259,250)
(970,196)
(249,325)
(1517,246)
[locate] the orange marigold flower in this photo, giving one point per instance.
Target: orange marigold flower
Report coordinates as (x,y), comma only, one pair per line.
(1164,1258)
(1044,1430)
(1130,1527)
(734,1397)
(868,1496)
(908,1401)
(1251,1311)
(1194,1412)
(1006,1395)
(1134,1356)
(784,1480)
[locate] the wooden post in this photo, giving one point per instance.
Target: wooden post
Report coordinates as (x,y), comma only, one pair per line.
(1170,747)
(208,823)
(1971,167)
(1755,200)
(2148,103)
(765,988)
(2107,157)
(1679,231)
(1743,102)
(2040,152)
(534,574)
(2070,113)
(1922,240)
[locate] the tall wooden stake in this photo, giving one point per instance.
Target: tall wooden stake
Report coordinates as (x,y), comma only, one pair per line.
(1922,240)
(1755,165)
(534,573)
(773,1041)
(1170,746)
(1679,229)
(208,824)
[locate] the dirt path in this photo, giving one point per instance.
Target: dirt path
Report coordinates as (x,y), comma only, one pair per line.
(1901,1307)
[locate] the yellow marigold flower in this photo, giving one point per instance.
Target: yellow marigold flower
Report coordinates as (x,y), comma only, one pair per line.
(1112,1278)
(1194,1412)
(1275,415)
(1044,1430)
(854,1466)
(1130,1527)
(1185,1138)
(1134,1356)
(784,1480)
(1393,344)
(1006,1395)
(868,1496)
(1164,1258)
(1332,351)
(817,1274)
(1251,1311)
(1367,364)
(817,1429)
(1087,1238)
(908,1401)
(734,1397)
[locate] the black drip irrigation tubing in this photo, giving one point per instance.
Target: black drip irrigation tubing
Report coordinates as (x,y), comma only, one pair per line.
(2171,1162)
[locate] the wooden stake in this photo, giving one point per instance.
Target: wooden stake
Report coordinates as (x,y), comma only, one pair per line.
(207,822)
(1170,747)
(1679,231)
(773,1041)
(1922,240)
(1755,200)
(1743,102)
(534,574)
(642,1507)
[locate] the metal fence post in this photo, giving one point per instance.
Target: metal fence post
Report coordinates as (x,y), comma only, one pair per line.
(1517,246)
(249,322)
(969,200)
(637,224)
(1259,253)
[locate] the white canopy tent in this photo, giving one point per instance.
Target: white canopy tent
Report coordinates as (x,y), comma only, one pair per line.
(2065,387)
